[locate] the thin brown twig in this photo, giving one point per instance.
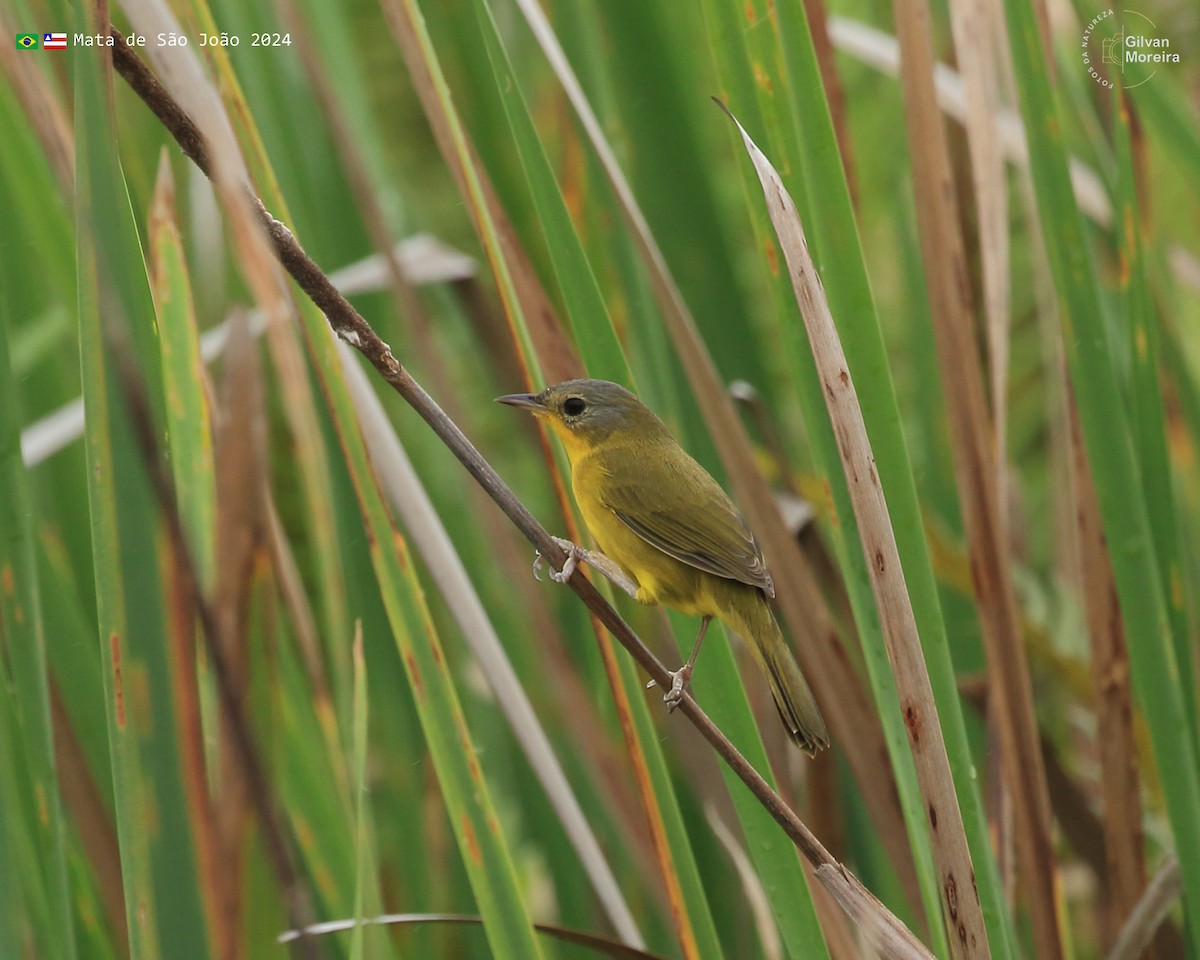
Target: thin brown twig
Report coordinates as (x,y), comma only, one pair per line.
(886,932)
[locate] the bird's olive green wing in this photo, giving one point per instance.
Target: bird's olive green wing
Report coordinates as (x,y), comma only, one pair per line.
(677,507)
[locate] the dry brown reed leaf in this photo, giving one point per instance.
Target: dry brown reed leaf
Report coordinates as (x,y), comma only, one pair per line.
(1125,867)
(241,479)
(975,43)
(968,935)
(976,470)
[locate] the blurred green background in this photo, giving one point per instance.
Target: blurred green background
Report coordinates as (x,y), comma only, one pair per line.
(394,780)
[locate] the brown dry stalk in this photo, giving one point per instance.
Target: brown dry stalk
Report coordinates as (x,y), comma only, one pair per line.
(885,931)
(818,28)
(1125,872)
(960,898)
(239,449)
(90,819)
(975,43)
(975,472)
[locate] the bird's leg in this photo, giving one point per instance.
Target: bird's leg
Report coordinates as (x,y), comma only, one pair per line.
(681,677)
(593,558)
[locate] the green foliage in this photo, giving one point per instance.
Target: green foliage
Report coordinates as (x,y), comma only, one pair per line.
(392,772)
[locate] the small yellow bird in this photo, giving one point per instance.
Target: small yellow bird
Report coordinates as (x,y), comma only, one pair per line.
(669,534)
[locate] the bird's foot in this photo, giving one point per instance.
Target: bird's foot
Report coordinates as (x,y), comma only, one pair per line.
(594,558)
(574,553)
(679,683)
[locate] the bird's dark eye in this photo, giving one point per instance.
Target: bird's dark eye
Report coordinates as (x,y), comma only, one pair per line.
(573,406)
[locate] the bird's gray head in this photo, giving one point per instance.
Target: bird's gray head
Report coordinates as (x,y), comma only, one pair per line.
(586,412)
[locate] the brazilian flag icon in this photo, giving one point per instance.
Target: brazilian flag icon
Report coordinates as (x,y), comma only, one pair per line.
(27,41)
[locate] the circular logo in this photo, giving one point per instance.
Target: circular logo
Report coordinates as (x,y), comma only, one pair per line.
(1124,48)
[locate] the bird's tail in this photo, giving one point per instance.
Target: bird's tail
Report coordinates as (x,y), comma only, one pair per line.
(752,619)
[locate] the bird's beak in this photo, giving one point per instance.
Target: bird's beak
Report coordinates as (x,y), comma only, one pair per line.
(527,401)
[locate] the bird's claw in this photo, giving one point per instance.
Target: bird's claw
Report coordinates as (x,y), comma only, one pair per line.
(568,568)
(679,683)
(574,554)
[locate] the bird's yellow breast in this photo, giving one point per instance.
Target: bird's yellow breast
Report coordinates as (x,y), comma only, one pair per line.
(660,577)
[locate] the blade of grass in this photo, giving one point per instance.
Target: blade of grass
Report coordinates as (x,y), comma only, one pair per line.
(157,866)
(960,899)
(140,771)
(189,435)
(689,907)
(1148,416)
(1108,439)
(521,287)
(316,785)
(310,447)
(840,255)
(189,424)
(36,845)
(361,834)
(585,308)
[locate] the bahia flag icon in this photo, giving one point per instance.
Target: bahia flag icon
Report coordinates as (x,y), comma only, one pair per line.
(27,41)
(54,41)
